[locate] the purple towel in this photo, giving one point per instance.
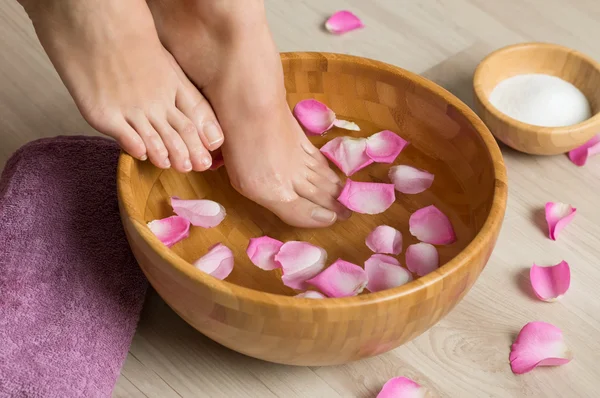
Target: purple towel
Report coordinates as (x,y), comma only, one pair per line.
(70,289)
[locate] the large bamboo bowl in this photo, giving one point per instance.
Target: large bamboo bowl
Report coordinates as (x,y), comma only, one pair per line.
(551,59)
(251,311)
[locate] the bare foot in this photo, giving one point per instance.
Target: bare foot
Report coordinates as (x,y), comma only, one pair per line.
(125,84)
(226,48)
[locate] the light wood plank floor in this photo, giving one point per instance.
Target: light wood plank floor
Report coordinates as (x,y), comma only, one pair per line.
(466,354)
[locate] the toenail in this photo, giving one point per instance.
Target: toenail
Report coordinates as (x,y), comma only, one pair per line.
(323,215)
(345,214)
(144,157)
(206,160)
(187,165)
(166,164)
(212,132)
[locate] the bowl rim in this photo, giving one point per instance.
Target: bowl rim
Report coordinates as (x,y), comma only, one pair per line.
(482,240)
(479,76)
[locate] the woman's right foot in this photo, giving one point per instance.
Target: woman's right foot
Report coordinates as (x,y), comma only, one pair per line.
(125,84)
(226,49)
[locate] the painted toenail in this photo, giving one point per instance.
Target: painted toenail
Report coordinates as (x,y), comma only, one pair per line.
(323,215)
(212,132)
(144,157)
(187,165)
(206,160)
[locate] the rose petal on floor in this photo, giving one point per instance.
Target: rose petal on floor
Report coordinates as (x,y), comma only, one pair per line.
(384,272)
(340,279)
(580,155)
(385,146)
(310,294)
(422,258)
(300,261)
(218,262)
(199,212)
(217,160)
(262,252)
(347,153)
(558,215)
(538,344)
(550,283)
(402,387)
(410,180)
(346,125)
(385,239)
(314,116)
(430,225)
(342,22)
(170,230)
(367,197)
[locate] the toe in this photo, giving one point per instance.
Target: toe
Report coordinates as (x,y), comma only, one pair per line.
(303,213)
(196,107)
(319,196)
(116,126)
(318,164)
(178,152)
(199,156)
(155,149)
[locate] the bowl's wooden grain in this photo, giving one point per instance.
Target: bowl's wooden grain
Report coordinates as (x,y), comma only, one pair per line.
(251,312)
(570,65)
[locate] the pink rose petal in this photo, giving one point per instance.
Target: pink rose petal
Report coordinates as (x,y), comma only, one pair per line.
(347,153)
(340,279)
(199,212)
(385,146)
(170,230)
(262,252)
(385,272)
(317,118)
(367,197)
(402,387)
(218,262)
(410,180)
(430,225)
(538,344)
(550,283)
(300,261)
(342,22)
(310,294)
(422,258)
(580,155)
(558,215)
(385,239)
(217,161)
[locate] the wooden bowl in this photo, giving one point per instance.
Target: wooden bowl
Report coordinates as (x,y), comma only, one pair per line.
(551,59)
(251,311)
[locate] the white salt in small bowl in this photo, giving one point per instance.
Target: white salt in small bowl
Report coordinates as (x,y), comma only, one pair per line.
(549,128)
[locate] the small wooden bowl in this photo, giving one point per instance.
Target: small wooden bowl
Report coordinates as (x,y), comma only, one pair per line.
(251,311)
(551,59)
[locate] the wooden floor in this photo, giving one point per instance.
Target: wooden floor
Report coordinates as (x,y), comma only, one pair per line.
(466,354)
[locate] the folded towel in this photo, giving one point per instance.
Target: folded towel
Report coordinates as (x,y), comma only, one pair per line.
(70,289)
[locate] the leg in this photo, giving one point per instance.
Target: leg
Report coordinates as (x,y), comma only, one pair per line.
(268,157)
(125,84)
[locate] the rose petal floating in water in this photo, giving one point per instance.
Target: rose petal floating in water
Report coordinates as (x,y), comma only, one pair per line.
(402,387)
(558,215)
(538,344)
(410,180)
(342,22)
(262,252)
(217,160)
(367,197)
(385,272)
(170,230)
(300,261)
(199,212)
(310,294)
(385,146)
(317,118)
(580,155)
(422,258)
(549,283)
(347,153)
(430,225)
(340,279)
(385,239)
(218,262)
